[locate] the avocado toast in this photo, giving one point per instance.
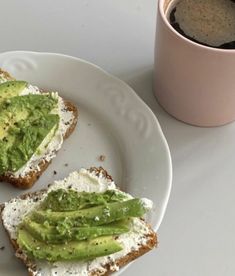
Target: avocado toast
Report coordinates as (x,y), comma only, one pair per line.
(82,225)
(33,125)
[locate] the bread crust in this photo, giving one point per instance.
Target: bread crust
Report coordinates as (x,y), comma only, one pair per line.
(31,177)
(108,268)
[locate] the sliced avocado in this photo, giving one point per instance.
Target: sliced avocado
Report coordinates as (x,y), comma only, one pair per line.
(70,200)
(74,250)
(93,216)
(11,89)
(9,118)
(20,108)
(53,234)
(24,123)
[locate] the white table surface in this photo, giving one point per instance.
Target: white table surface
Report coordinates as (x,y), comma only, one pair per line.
(197,236)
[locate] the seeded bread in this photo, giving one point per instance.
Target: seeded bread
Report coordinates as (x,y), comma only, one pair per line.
(108,268)
(31,177)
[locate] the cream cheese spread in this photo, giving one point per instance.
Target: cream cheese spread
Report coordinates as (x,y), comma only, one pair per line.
(84,180)
(2,78)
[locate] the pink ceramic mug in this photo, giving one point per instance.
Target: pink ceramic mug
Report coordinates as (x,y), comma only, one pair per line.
(194,83)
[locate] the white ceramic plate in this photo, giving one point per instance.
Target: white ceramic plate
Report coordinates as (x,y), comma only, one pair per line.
(113,121)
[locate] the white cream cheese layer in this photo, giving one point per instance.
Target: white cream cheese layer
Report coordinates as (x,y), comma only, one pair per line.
(2,78)
(53,141)
(16,209)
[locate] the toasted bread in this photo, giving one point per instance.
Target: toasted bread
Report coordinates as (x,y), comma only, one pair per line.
(26,181)
(106,268)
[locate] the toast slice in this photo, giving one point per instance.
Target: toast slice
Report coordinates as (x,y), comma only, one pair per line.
(141,240)
(27,179)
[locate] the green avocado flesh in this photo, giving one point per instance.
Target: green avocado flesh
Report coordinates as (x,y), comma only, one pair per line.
(103,214)
(83,250)
(87,231)
(62,200)
(11,89)
(24,123)
(56,234)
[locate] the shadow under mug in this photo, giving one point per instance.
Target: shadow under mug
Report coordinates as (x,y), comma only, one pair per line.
(192,82)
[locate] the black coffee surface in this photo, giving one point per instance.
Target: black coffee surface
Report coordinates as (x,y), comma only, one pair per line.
(208,22)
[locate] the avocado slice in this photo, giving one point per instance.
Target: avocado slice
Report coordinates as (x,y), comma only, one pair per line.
(10,116)
(61,233)
(82,250)
(24,123)
(71,200)
(93,216)
(11,89)
(20,108)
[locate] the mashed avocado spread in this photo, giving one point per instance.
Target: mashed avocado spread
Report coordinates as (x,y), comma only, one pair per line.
(24,123)
(69,225)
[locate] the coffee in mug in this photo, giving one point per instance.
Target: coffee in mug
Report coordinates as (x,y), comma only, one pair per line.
(208,22)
